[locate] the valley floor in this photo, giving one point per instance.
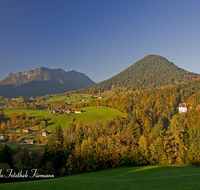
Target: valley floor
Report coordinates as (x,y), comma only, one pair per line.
(88,116)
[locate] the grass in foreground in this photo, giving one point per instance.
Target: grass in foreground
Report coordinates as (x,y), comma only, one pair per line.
(144,178)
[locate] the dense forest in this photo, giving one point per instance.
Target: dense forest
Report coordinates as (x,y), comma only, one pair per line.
(149,72)
(154,132)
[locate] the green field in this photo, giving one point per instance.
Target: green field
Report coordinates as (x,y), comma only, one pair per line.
(139,178)
(88,116)
(75,98)
(17,100)
(28,146)
(69,99)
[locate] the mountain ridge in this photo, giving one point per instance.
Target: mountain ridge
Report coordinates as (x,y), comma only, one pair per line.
(43,81)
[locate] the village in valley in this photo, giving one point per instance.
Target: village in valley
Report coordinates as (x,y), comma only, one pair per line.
(29,129)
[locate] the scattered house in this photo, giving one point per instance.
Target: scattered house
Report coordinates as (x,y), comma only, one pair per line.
(55,111)
(182,108)
(26,130)
(2,137)
(68,111)
(78,111)
(100,97)
(29,141)
(18,131)
(45,133)
(83,100)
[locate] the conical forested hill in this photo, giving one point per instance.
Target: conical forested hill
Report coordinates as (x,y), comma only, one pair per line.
(149,72)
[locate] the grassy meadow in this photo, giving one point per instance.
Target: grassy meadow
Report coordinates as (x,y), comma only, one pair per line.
(17,100)
(88,116)
(72,98)
(139,178)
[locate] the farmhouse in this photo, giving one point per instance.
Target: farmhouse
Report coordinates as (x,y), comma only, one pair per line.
(55,111)
(68,111)
(182,108)
(78,111)
(2,137)
(29,141)
(45,133)
(26,130)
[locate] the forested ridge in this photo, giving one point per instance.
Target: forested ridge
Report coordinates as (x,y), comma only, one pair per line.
(149,72)
(152,133)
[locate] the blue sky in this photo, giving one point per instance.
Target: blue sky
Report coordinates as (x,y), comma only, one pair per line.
(97,37)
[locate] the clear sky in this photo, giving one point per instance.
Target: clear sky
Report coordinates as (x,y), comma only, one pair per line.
(97,37)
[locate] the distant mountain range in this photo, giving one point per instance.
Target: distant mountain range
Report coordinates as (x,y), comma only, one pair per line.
(42,81)
(149,72)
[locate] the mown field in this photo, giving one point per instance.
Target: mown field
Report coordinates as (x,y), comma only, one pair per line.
(139,178)
(88,116)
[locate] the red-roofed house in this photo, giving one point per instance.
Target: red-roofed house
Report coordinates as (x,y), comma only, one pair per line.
(26,130)
(78,111)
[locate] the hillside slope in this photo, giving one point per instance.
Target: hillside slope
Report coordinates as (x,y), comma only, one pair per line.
(42,81)
(149,72)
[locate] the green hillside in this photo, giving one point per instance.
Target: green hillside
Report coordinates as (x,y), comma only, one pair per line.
(149,72)
(72,98)
(140,178)
(88,116)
